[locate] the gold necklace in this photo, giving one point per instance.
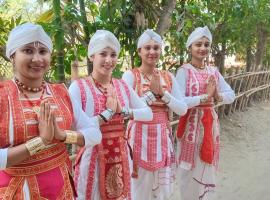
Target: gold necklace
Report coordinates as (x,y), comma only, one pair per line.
(35,106)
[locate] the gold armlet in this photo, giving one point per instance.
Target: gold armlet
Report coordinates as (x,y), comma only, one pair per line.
(71,137)
(35,145)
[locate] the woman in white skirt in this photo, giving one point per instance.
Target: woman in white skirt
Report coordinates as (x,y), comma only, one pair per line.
(103,171)
(153,149)
(198,129)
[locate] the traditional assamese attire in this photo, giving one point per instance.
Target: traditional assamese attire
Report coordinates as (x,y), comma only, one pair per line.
(198,129)
(46,174)
(152,142)
(103,172)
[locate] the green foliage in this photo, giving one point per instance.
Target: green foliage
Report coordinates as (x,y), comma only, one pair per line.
(6,25)
(234,24)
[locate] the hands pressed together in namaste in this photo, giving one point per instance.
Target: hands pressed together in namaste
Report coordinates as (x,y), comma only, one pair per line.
(211,89)
(48,127)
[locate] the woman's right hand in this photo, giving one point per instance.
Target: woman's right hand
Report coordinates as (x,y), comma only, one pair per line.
(211,86)
(58,133)
(112,101)
(46,124)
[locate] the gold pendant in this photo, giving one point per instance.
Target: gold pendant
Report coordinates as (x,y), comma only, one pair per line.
(36,109)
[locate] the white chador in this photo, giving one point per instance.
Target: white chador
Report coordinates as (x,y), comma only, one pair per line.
(103,172)
(198,129)
(152,142)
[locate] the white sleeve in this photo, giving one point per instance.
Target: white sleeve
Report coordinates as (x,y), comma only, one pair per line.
(181,80)
(3,158)
(141,112)
(74,93)
(89,127)
(128,77)
(225,91)
(177,101)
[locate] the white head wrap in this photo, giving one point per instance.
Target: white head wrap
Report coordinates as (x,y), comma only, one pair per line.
(148,35)
(197,34)
(25,34)
(101,40)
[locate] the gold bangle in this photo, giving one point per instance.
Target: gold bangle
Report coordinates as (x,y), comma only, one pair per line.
(71,137)
(35,145)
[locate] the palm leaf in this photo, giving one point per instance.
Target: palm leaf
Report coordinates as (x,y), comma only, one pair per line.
(46,16)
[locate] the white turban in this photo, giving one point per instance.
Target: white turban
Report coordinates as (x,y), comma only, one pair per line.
(101,40)
(148,35)
(25,34)
(197,34)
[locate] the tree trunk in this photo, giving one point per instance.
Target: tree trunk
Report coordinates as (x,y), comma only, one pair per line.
(249,59)
(86,32)
(59,42)
(223,53)
(181,61)
(3,53)
(220,58)
(260,47)
(132,60)
(164,21)
(217,57)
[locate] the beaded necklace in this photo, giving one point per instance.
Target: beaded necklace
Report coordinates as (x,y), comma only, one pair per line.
(30,89)
(101,88)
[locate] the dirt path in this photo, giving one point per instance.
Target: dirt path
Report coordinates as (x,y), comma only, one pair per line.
(244,172)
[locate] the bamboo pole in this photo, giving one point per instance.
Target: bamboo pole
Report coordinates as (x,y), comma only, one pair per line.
(59,41)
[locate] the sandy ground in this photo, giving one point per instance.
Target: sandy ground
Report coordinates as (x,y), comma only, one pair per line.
(244,172)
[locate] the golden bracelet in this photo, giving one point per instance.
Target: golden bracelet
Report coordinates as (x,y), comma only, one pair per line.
(35,145)
(204,98)
(71,137)
(218,99)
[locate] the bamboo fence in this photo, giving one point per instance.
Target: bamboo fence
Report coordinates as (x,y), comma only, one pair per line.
(247,86)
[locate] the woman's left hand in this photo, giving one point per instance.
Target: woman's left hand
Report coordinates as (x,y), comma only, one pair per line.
(112,93)
(161,90)
(58,133)
(111,102)
(217,96)
(155,83)
(119,107)
(211,87)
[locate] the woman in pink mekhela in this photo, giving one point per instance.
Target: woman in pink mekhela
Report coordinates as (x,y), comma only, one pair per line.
(35,122)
